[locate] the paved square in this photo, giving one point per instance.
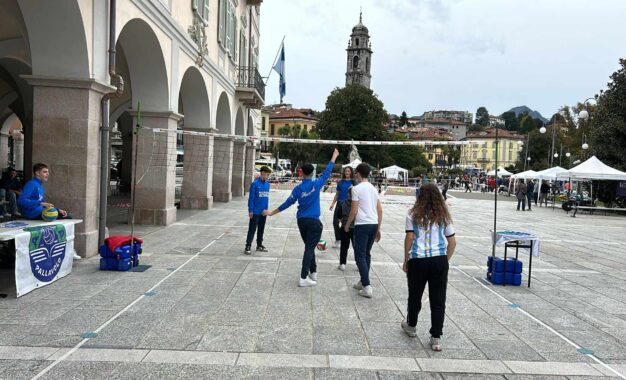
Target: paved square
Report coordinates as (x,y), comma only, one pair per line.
(206,310)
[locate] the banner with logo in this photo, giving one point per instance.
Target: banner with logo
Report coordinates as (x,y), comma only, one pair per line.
(43,254)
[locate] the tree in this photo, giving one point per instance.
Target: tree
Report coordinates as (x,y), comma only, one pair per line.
(296,152)
(482,116)
(404,120)
(606,127)
(355,112)
(527,124)
(511,123)
(406,156)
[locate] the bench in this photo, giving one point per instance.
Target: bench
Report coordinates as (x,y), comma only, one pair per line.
(592,209)
(41,255)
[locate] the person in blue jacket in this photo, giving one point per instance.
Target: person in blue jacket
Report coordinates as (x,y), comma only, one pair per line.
(307,194)
(258,201)
(32,200)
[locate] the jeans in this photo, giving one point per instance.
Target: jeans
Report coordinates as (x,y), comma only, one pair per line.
(543,198)
(364,235)
(434,271)
(346,237)
(257,221)
(530,197)
(522,202)
(336,220)
(311,232)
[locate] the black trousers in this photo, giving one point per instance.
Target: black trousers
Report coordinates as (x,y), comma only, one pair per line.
(434,271)
(346,237)
(311,232)
(336,220)
(256,222)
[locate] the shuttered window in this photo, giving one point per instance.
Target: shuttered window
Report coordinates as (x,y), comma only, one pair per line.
(201,8)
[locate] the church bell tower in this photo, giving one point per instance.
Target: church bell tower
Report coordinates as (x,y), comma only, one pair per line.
(359,55)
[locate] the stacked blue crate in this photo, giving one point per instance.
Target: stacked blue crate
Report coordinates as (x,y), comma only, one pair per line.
(498,271)
(121,259)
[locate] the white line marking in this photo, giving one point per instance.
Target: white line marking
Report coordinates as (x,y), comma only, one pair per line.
(105,324)
(593,357)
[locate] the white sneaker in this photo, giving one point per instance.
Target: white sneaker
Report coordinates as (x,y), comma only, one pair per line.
(358,286)
(313,276)
(306,282)
(366,292)
(342,267)
(337,244)
(76,257)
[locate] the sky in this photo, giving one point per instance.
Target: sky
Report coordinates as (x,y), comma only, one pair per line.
(448,54)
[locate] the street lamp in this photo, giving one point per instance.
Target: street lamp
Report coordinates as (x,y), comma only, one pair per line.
(569,155)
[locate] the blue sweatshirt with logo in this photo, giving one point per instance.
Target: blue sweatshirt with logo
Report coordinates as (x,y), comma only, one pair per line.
(31,198)
(307,194)
(259,197)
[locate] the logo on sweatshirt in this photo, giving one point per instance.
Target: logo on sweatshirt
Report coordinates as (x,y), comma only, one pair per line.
(46,251)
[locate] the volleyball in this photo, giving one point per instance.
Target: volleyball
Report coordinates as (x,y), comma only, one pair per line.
(321,245)
(49,214)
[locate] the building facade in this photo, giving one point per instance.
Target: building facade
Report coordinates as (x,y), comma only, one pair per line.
(284,115)
(186,64)
(458,129)
(483,155)
(359,52)
(462,116)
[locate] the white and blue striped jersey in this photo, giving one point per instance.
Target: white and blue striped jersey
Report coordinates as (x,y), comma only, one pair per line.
(430,241)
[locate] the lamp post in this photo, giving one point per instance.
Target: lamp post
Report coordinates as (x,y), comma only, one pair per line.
(543,130)
(569,155)
(584,115)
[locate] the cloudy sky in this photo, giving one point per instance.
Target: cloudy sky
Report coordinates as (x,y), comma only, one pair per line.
(449,54)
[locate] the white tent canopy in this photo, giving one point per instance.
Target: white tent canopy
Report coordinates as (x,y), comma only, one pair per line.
(550,173)
(593,168)
(396,173)
(353,164)
(525,175)
(502,172)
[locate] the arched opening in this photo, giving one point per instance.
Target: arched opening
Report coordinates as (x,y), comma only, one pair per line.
(251,127)
(367,64)
(355,62)
(223,118)
(12,143)
(239,127)
(139,60)
(357,42)
(193,185)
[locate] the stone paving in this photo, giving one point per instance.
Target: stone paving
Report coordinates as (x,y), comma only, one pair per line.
(205,310)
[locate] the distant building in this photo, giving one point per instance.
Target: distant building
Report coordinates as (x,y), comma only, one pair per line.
(433,153)
(484,155)
(285,115)
(464,116)
(457,128)
(496,121)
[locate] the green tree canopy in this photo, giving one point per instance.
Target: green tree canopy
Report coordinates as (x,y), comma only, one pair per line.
(607,125)
(404,119)
(355,112)
(511,123)
(482,116)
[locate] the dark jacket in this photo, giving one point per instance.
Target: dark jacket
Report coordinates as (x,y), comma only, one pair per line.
(545,188)
(345,213)
(530,188)
(521,192)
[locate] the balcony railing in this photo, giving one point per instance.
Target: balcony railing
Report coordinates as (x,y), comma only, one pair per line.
(249,77)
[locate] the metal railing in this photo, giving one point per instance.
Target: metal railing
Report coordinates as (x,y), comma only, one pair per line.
(248,76)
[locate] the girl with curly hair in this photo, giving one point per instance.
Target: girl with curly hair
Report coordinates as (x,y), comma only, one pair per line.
(428,246)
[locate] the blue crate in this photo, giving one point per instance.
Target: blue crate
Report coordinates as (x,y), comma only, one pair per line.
(497,278)
(114,264)
(121,252)
(497,265)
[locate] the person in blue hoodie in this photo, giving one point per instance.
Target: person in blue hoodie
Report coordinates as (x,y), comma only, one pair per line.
(32,200)
(307,194)
(258,201)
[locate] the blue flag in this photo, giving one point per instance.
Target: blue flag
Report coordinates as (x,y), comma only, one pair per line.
(279,67)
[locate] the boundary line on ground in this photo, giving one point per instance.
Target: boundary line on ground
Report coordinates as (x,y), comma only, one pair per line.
(566,339)
(105,324)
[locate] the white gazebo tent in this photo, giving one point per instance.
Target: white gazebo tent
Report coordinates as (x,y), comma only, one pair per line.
(591,169)
(551,173)
(396,173)
(502,172)
(525,175)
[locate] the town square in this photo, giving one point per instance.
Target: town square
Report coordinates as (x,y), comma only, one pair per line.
(248,189)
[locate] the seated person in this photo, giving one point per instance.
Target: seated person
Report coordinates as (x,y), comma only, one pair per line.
(10,189)
(32,201)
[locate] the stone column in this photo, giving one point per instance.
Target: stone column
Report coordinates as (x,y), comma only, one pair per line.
(18,151)
(222,169)
(4,150)
(66,137)
(239,165)
(248,170)
(198,172)
(156,168)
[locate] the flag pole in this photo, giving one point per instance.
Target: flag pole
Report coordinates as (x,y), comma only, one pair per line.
(267,78)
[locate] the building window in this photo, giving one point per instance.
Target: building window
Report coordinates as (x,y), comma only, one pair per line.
(243,48)
(272,130)
(201,8)
(263,123)
(357,42)
(355,62)
(430,156)
(227,28)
